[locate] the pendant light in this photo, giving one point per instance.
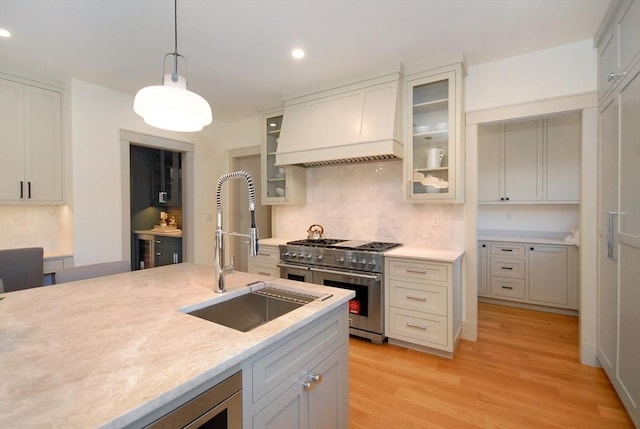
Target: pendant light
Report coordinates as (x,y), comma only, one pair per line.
(171,106)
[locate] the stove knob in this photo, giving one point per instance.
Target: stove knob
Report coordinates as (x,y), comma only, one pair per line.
(286,254)
(372,263)
(352,260)
(309,256)
(319,258)
(340,260)
(301,255)
(293,255)
(362,262)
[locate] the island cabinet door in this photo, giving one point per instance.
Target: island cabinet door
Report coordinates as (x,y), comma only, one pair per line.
(318,400)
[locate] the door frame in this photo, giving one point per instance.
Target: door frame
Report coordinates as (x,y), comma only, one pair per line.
(586,103)
(232,156)
(128,138)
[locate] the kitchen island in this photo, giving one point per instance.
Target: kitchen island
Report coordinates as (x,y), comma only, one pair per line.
(117,351)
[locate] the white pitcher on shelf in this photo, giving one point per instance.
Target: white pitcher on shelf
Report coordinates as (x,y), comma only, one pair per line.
(434,157)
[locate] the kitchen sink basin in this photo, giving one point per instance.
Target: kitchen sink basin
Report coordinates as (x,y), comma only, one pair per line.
(247,312)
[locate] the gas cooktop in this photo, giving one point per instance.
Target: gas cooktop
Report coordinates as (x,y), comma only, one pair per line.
(333,243)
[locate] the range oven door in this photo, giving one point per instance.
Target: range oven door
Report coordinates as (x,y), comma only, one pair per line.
(366,310)
(295,272)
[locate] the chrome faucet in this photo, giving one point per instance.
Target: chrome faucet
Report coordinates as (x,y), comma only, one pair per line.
(219,268)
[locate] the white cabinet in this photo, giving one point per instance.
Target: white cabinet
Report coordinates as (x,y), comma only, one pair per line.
(618,336)
(303,381)
(31,161)
(618,46)
(280,185)
(434,150)
(538,274)
(530,161)
(266,261)
(483,277)
(424,308)
(553,275)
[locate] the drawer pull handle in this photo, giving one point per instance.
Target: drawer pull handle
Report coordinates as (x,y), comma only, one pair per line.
(417,298)
(507,250)
(507,287)
(415,325)
(409,270)
(263,273)
(614,76)
(507,268)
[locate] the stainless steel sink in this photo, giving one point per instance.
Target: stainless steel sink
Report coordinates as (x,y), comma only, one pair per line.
(247,312)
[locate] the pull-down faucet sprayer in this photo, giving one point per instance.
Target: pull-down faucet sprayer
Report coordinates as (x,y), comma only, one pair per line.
(219,268)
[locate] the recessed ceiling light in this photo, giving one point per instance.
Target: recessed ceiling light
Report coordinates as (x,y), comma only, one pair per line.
(4,33)
(297,54)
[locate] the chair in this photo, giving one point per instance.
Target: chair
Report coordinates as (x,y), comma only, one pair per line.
(91,271)
(21,268)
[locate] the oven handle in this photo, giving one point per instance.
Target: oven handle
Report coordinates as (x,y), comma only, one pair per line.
(298,267)
(347,273)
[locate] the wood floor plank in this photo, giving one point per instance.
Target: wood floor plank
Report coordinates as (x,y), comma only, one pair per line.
(523,372)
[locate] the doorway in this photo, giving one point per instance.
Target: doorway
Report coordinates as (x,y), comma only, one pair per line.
(185,153)
(246,159)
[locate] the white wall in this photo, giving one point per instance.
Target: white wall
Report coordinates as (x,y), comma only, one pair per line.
(97,114)
(529,217)
(551,73)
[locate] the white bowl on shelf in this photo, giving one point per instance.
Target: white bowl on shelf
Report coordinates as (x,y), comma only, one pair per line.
(280,192)
(422,128)
(440,126)
(281,172)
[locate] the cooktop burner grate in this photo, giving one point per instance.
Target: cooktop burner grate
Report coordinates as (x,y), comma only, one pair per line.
(377,246)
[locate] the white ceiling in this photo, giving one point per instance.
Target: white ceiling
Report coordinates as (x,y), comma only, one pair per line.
(239,50)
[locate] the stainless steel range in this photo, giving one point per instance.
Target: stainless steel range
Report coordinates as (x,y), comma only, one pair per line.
(347,264)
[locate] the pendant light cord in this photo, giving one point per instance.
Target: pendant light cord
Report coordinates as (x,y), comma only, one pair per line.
(174,75)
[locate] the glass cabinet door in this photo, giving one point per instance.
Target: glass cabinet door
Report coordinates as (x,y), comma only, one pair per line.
(276,183)
(432,138)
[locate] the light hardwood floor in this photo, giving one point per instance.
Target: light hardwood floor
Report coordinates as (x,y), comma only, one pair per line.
(523,372)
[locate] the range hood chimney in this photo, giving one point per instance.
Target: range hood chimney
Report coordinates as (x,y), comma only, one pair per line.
(359,122)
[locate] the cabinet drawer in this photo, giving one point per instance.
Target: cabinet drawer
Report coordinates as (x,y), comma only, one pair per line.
(419,270)
(287,363)
(508,267)
(419,297)
(264,269)
(504,249)
(267,254)
(508,288)
(417,327)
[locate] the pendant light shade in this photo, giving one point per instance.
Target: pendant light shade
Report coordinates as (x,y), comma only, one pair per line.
(171,106)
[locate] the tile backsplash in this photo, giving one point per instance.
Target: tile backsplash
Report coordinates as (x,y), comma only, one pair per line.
(364,202)
(49,227)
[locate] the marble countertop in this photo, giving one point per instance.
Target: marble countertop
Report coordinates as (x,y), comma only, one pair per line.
(103,352)
(167,233)
(536,237)
(424,253)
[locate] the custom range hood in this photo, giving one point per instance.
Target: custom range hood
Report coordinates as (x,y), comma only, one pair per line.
(359,122)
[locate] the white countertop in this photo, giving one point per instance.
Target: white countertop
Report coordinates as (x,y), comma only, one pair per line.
(535,237)
(274,241)
(106,351)
(424,253)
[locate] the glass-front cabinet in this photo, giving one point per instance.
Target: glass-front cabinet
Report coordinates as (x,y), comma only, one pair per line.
(280,184)
(433,136)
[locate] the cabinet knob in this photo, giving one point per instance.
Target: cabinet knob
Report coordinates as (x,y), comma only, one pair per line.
(484,245)
(501,198)
(308,386)
(507,198)
(316,378)
(531,248)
